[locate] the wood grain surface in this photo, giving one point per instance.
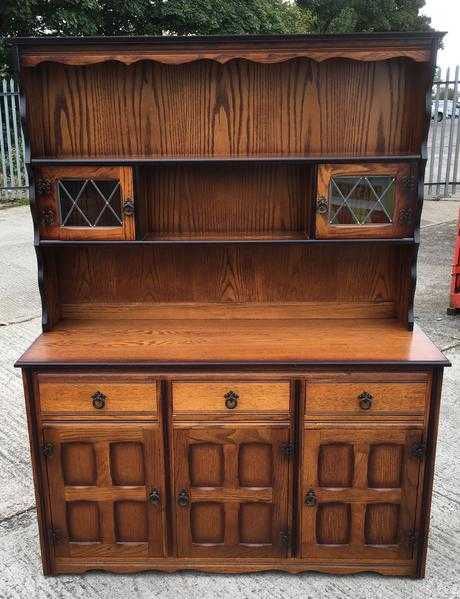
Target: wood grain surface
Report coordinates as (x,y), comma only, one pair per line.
(174,341)
(213,201)
(240,108)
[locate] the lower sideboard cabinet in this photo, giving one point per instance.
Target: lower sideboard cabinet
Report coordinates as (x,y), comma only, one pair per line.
(316,473)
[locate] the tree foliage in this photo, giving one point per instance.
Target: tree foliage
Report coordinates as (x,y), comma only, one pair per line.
(345,16)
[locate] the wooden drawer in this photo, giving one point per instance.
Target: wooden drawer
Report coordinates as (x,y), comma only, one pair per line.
(363,398)
(230,397)
(88,396)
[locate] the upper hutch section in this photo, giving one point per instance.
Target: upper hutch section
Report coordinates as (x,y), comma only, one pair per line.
(298,97)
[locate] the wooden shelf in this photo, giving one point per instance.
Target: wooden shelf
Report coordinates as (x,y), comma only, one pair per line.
(168,240)
(231,342)
(231,159)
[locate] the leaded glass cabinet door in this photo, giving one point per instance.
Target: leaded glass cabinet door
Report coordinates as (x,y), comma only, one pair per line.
(79,203)
(366,200)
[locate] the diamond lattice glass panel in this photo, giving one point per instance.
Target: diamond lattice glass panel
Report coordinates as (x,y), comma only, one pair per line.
(361,200)
(90,203)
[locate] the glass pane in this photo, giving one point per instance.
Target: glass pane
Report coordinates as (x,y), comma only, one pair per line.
(361,200)
(90,203)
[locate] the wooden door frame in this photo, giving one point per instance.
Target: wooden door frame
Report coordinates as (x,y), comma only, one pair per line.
(150,436)
(405,199)
(49,201)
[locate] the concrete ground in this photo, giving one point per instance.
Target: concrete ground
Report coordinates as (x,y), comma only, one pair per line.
(20,570)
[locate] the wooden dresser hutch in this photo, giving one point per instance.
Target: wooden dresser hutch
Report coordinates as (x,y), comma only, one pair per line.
(229,377)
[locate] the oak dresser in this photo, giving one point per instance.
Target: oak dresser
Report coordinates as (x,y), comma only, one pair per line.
(229,377)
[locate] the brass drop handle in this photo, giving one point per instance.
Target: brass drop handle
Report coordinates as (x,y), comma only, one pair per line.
(183,499)
(231,400)
(310,498)
(99,400)
(365,400)
(154,497)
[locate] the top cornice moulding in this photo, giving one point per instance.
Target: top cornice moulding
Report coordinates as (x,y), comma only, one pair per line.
(418,47)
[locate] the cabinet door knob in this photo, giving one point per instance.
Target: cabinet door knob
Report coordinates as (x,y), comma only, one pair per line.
(365,400)
(183,499)
(99,400)
(154,497)
(231,400)
(310,498)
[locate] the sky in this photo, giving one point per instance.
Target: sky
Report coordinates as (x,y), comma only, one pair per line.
(445,16)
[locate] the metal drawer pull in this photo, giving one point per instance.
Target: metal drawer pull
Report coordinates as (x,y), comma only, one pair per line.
(154,497)
(231,400)
(183,498)
(310,498)
(365,400)
(99,400)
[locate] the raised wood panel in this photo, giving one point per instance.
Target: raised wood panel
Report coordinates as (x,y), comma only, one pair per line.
(240,201)
(99,478)
(227,274)
(367,507)
(236,480)
(387,398)
(68,395)
(239,108)
(202,397)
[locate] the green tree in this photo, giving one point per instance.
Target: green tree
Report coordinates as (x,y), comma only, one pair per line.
(150,17)
(345,16)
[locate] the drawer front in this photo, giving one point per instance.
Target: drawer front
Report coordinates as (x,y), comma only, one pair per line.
(96,397)
(365,398)
(230,397)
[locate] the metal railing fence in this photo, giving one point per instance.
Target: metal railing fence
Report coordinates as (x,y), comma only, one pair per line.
(442,176)
(13,174)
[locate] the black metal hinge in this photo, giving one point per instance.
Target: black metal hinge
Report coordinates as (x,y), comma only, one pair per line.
(409,183)
(418,450)
(288,449)
(286,539)
(412,537)
(47,449)
(55,535)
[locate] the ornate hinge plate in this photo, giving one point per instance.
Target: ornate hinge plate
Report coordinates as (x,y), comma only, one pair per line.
(409,183)
(47,449)
(418,450)
(286,539)
(43,187)
(405,217)
(55,535)
(47,217)
(412,538)
(288,449)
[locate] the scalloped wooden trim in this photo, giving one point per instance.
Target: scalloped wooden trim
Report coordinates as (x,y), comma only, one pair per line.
(267,56)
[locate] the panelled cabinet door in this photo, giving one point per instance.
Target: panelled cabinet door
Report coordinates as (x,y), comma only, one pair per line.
(359,492)
(106,490)
(231,490)
(366,200)
(81,202)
